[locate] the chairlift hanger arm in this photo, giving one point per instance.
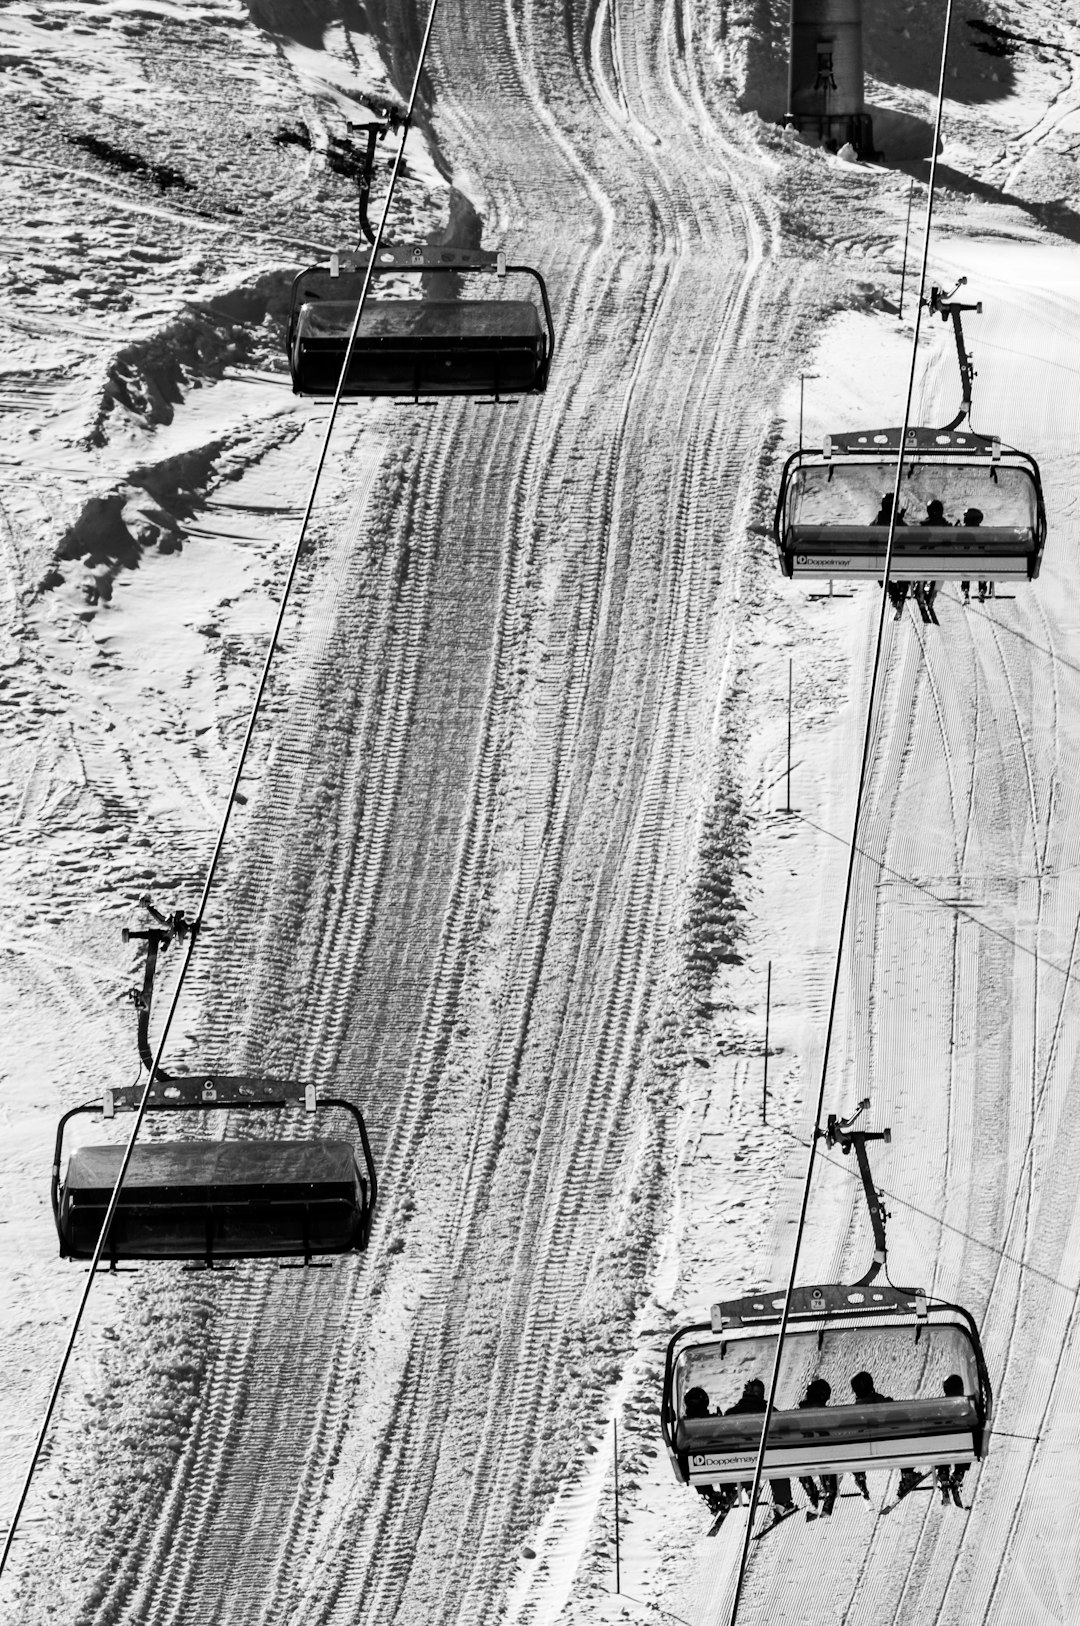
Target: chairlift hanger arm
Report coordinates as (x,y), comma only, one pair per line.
(840,1133)
(387,118)
(950,309)
(374,135)
(157,940)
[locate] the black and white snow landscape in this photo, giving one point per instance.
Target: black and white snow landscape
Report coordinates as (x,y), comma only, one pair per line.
(514,857)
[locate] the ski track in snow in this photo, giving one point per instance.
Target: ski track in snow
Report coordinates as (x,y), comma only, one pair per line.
(521,640)
(585,930)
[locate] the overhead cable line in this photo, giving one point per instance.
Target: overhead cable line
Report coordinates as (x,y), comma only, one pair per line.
(853,849)
(188,932)
(1022,1265)
(958,908)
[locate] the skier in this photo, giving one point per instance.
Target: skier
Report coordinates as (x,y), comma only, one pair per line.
(862,1385)
(950,1477)
(898,592)
(753,1400)
(973,517)
(884,513)
(819,1393)
(935,513)
(925,593)
(696,1404)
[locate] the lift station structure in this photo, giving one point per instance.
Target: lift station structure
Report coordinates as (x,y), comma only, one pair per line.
(825,74)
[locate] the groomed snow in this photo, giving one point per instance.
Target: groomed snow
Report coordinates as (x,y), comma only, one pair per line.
(515,854)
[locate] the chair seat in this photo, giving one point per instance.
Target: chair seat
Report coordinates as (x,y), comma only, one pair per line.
(229,1199)
(420,347)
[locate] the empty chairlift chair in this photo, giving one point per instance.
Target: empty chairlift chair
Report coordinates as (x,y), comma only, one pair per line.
(216,1199)
(909,1345)
(419,348)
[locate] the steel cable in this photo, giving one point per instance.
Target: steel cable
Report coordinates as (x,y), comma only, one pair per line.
(853,850)
(192,934)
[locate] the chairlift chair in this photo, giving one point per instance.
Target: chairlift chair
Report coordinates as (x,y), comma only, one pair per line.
(832,511)
(212,1199)
(420,348)
(826,520)
(909,1344)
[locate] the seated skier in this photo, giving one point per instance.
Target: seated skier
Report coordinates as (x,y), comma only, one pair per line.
(862,1385)
(696,1404)
(950,1477)
(753,1400)
(819,1393)
(884,513)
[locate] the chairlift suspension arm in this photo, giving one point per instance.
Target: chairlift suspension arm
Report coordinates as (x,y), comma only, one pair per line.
(951,309)
(839,1133)
(374,131)
(387,118)
(143,998)
(157,939)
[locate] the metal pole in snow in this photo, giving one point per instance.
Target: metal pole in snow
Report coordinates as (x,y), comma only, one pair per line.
(787,809)
(802,391)
(903,271)
(618,1576)
(765,1069)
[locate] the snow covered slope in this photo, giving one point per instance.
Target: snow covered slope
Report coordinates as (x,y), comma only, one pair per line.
(510,868)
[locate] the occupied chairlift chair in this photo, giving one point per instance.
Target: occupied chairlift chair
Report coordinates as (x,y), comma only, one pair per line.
(212,1200)
(419,348)
(908,1343)
(825,522)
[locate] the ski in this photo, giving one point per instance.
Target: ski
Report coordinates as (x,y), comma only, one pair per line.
(777,1518)
(887,1507)
(720,1517)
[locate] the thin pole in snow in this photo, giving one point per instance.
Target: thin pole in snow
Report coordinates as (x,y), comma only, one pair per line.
(788,808)
(765,1068)
(615,1448)
(903,271)
(802,392)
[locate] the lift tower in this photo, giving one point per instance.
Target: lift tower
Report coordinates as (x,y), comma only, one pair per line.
(825,74)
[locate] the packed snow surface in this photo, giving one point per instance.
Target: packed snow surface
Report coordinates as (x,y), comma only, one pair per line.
(517,854)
